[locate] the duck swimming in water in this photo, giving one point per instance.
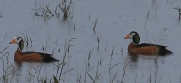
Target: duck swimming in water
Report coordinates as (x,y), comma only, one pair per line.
(144,48)
(30,56)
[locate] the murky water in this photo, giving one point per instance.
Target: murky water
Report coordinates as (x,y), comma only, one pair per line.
(89,60)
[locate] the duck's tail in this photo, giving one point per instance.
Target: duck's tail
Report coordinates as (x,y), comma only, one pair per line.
(168,51)
(48,57)
(164,51)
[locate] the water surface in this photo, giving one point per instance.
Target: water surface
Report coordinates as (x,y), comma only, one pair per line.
(109,61)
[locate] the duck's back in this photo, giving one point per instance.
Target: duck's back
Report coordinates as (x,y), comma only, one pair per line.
(161,49)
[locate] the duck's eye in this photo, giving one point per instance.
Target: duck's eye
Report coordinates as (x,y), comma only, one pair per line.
(133,33)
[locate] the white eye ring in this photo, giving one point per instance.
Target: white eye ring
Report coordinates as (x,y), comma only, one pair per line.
(17,39)
(131,35)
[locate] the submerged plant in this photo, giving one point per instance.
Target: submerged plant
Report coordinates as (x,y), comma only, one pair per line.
(95,24)
(1,14)
(179,11)
(65,7)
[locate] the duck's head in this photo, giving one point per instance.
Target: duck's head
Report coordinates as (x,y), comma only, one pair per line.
(19,41)
(134,36)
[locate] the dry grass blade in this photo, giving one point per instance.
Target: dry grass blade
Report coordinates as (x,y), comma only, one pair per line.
(68,71)
(48,10)
(55,79)
(179,11)
(95,24)
(65,8)
(1,15)
(114,77)
(4,49)
(90,77)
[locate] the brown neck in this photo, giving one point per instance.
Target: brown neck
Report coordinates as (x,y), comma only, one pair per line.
(131,47)
(18,54)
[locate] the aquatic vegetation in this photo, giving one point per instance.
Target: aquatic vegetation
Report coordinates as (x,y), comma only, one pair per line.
(90,46)
(1,15)
(179,11)
(66,7)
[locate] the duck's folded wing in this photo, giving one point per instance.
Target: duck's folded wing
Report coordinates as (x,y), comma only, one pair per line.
(45,56)
(148,44)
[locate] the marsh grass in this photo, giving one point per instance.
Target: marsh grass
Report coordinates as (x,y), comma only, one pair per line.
(33,73)
(98,41)
(45,12)
(66,7)
(179,11)
(94,77)
(148,13)
(68,45)
(5,68)
(95,24)
(28,42)
(92,70)
(1,15)
(112,79)
(161,36)
(74,27)
(159,40)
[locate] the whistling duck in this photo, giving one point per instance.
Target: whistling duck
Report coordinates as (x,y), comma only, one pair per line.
(144,48)
(30,56)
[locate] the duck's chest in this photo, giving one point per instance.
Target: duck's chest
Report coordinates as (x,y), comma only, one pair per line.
(132,47)
(18,54)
